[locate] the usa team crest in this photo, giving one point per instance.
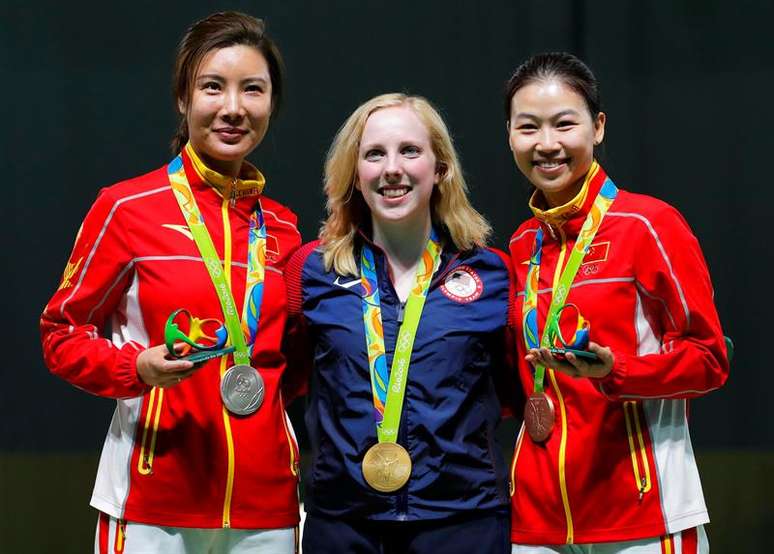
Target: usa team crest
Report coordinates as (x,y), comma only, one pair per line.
(462,285)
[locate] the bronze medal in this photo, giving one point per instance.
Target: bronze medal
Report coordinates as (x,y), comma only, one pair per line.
(386,466)
(539,416)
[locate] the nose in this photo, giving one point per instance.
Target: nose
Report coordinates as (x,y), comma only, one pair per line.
(547,140)
(392,169)
(232,108)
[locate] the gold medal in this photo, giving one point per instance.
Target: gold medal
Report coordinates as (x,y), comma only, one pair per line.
(386,466)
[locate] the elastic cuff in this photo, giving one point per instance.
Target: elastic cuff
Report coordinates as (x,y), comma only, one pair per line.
(610,385)
(126,370)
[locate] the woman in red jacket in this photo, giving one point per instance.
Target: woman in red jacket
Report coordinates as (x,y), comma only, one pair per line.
(199,457)
(619,331)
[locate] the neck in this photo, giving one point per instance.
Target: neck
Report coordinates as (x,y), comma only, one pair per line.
(562,197)
(403,242)
(229,168)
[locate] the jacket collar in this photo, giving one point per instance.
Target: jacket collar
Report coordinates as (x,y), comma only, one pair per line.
(249,183)
(449,254)
(569,217)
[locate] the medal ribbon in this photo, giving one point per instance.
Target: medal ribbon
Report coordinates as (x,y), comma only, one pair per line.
(589,229)
(389,388)
(256,264)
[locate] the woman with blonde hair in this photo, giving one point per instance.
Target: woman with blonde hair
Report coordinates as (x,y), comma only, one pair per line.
(404,459)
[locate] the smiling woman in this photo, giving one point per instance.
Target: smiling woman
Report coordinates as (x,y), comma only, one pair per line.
(606,419)
(170,260)
(405,458)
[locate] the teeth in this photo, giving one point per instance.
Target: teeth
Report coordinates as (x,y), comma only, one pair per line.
(548,165)
(394,193)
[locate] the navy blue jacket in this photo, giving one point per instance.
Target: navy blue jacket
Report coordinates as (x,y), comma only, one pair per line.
(451,406)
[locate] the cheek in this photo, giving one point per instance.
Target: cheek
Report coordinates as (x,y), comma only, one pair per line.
(369,172)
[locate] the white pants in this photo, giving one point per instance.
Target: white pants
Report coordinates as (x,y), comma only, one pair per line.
(118,537)
(690,541)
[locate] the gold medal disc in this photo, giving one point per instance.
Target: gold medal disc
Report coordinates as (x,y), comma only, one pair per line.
(386,466)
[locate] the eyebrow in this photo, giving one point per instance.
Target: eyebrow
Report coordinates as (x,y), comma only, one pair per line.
(555,116)
(216,77)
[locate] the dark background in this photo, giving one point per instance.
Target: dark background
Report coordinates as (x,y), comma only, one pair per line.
(686,84)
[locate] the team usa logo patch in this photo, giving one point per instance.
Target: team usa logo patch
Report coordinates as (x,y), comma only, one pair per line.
(462,285)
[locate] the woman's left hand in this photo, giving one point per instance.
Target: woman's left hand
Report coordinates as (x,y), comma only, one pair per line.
(573,365)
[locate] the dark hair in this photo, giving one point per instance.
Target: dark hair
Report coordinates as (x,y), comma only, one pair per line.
(221,30)
(555,65)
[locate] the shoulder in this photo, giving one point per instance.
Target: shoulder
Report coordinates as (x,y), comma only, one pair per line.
(278,214)
(651,214)
(143,191)
(524,235)
(486,257)
(300,257)
(155,181)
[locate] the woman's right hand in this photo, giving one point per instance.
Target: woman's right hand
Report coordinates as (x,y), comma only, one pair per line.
(156,369)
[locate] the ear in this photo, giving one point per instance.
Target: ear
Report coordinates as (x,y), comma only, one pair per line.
(440,171)
(181,106)
(599,128)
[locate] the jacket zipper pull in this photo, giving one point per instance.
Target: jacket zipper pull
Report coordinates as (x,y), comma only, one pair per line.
(642,487)
(233,191)
(551,230)
(401,311)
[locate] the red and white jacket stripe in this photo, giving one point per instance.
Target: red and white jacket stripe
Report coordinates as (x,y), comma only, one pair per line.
(174,456)
(619,463)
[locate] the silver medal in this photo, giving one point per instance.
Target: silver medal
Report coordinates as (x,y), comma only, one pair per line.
(242,390)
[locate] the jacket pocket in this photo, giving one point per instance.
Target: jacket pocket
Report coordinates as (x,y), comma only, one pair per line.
(639,454)
(150,431)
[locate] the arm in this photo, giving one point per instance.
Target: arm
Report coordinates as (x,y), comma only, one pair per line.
(296,343)
(686,356)
(72,323)
(507,383)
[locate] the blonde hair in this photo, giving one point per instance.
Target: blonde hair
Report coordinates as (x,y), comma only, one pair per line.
(450,208)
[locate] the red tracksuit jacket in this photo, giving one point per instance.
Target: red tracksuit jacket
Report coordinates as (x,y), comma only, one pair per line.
(619,463)
(174,456)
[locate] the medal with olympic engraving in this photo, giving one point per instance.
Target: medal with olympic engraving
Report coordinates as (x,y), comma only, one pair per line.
(242,390)
(539,416)
(386,466)
(241,387)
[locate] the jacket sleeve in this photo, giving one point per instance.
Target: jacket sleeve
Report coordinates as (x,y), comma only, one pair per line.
(73,323)
(296,343)
(507,383)
(682,349)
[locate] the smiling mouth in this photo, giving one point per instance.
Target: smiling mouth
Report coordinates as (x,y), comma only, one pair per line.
(394,192)
(231,131)
(549,164)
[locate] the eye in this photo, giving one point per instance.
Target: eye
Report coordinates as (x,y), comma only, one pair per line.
(565,124)
(526,127)
(373,155)
(211,86)
(411,151)
(255,88)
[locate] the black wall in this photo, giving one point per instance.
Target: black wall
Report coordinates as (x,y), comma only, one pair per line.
(687,87)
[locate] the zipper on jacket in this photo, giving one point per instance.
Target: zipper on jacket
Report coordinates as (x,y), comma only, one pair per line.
(118,545)
(294,454)
(516,451)
(401,313)
(562,409)
(147,451)
(639,453)
(224,363)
